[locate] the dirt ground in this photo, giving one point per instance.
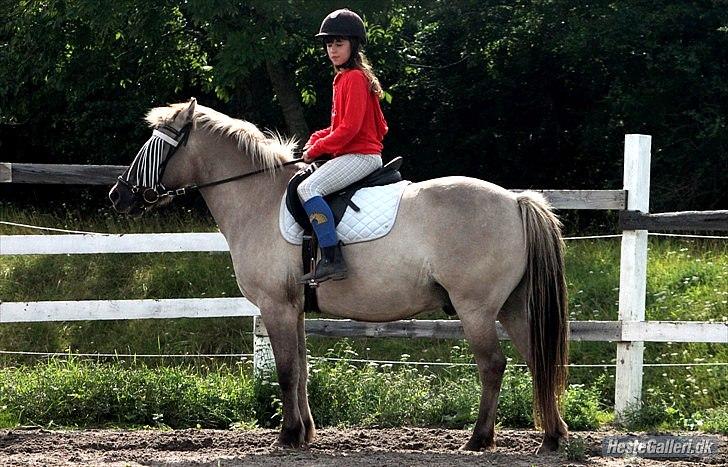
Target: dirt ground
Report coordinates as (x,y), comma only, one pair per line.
(350,447)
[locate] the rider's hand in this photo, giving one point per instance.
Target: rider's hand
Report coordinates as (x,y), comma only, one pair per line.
(306,158)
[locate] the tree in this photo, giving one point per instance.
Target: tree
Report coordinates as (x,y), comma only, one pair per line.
(528,93)
(82,73)
(277,37)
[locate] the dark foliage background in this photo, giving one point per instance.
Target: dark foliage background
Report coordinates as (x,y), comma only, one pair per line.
(522,93)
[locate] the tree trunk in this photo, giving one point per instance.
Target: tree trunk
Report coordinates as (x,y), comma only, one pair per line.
(288,98)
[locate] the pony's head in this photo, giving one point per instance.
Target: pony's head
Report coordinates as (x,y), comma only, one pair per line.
(173,156)
(141,186)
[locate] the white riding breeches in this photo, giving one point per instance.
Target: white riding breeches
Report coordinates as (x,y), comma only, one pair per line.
(338,173)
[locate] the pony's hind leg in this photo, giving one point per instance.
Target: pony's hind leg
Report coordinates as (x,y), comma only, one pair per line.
(479,327)
(514,318)
(303,406)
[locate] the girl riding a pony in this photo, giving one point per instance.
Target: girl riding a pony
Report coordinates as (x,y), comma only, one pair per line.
(353,140)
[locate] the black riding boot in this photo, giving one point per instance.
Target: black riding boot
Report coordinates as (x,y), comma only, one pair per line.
(330,266)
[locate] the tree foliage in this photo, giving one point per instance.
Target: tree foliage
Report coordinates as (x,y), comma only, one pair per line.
(530,93)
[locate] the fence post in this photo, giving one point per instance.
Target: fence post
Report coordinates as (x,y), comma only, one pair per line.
(633,273)
(263,360)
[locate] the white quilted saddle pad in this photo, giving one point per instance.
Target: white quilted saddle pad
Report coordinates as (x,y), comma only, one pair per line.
(378,211)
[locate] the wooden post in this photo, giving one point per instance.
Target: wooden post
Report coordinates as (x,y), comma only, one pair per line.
(633,273)
(263,360)
(6,172)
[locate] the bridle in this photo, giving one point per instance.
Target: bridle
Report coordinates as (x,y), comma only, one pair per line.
(146,171)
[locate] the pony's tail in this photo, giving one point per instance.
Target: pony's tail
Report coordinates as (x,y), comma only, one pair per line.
(547,309)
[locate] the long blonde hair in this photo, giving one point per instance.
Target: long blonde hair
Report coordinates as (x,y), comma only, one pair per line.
(357,60)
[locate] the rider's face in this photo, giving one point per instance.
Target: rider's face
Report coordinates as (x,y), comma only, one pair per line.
(339,51)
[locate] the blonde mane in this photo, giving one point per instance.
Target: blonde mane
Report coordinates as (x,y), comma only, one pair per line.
(267,149)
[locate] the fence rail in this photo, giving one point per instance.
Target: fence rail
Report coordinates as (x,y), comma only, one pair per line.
(91,310)
(11,172)
(101,310)
(113,243)
(665,221)
(69,174)
(630,332)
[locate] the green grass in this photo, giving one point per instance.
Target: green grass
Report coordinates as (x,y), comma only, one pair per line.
(75,392)
(712,420)
(81,393)
(687,280)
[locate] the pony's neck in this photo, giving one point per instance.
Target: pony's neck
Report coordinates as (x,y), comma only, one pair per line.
(240,207)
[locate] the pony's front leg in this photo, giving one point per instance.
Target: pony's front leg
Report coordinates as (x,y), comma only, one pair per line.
(282,326)
(303,381)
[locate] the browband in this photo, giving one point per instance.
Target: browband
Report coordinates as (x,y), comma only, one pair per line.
(167,139)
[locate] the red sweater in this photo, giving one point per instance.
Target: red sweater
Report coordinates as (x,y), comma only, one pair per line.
(357,122)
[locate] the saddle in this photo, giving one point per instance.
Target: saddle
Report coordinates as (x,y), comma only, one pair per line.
(338,202)
(341,200)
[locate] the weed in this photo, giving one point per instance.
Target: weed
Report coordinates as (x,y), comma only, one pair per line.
(574,449)
(582,407)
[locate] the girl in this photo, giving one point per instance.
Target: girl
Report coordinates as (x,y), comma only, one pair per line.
(354,139)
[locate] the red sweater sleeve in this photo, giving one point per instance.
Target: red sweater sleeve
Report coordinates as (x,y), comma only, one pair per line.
(316,135)
(355,93)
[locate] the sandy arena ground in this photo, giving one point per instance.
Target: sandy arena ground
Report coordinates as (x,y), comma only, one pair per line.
(350,447)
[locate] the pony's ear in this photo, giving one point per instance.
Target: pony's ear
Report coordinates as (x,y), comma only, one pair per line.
(189,111)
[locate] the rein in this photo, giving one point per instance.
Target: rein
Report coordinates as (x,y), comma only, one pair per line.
(151,165)
(188,188)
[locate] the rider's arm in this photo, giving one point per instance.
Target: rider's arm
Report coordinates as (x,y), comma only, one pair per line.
(317,135)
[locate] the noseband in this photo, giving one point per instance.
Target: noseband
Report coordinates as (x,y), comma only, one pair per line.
(146,171)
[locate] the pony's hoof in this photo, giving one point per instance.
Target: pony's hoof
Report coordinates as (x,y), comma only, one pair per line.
(291,439)
(548,445)
(310,434)
(280,444)
(478,445)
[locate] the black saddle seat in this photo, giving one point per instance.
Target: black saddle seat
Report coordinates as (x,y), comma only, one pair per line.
(340,200)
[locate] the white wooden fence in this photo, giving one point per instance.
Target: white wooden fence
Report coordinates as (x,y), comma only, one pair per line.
(630,332)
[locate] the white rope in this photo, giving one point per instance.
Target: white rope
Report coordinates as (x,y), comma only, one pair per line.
(686,365)
(112,355)
(717,237)
(335,359)
(34,227)
(592,237)
(571,365)
(391,362)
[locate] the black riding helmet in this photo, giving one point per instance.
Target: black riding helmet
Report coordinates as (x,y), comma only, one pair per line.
(343,22)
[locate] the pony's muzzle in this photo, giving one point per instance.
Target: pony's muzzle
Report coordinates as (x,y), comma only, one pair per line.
(122,198)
